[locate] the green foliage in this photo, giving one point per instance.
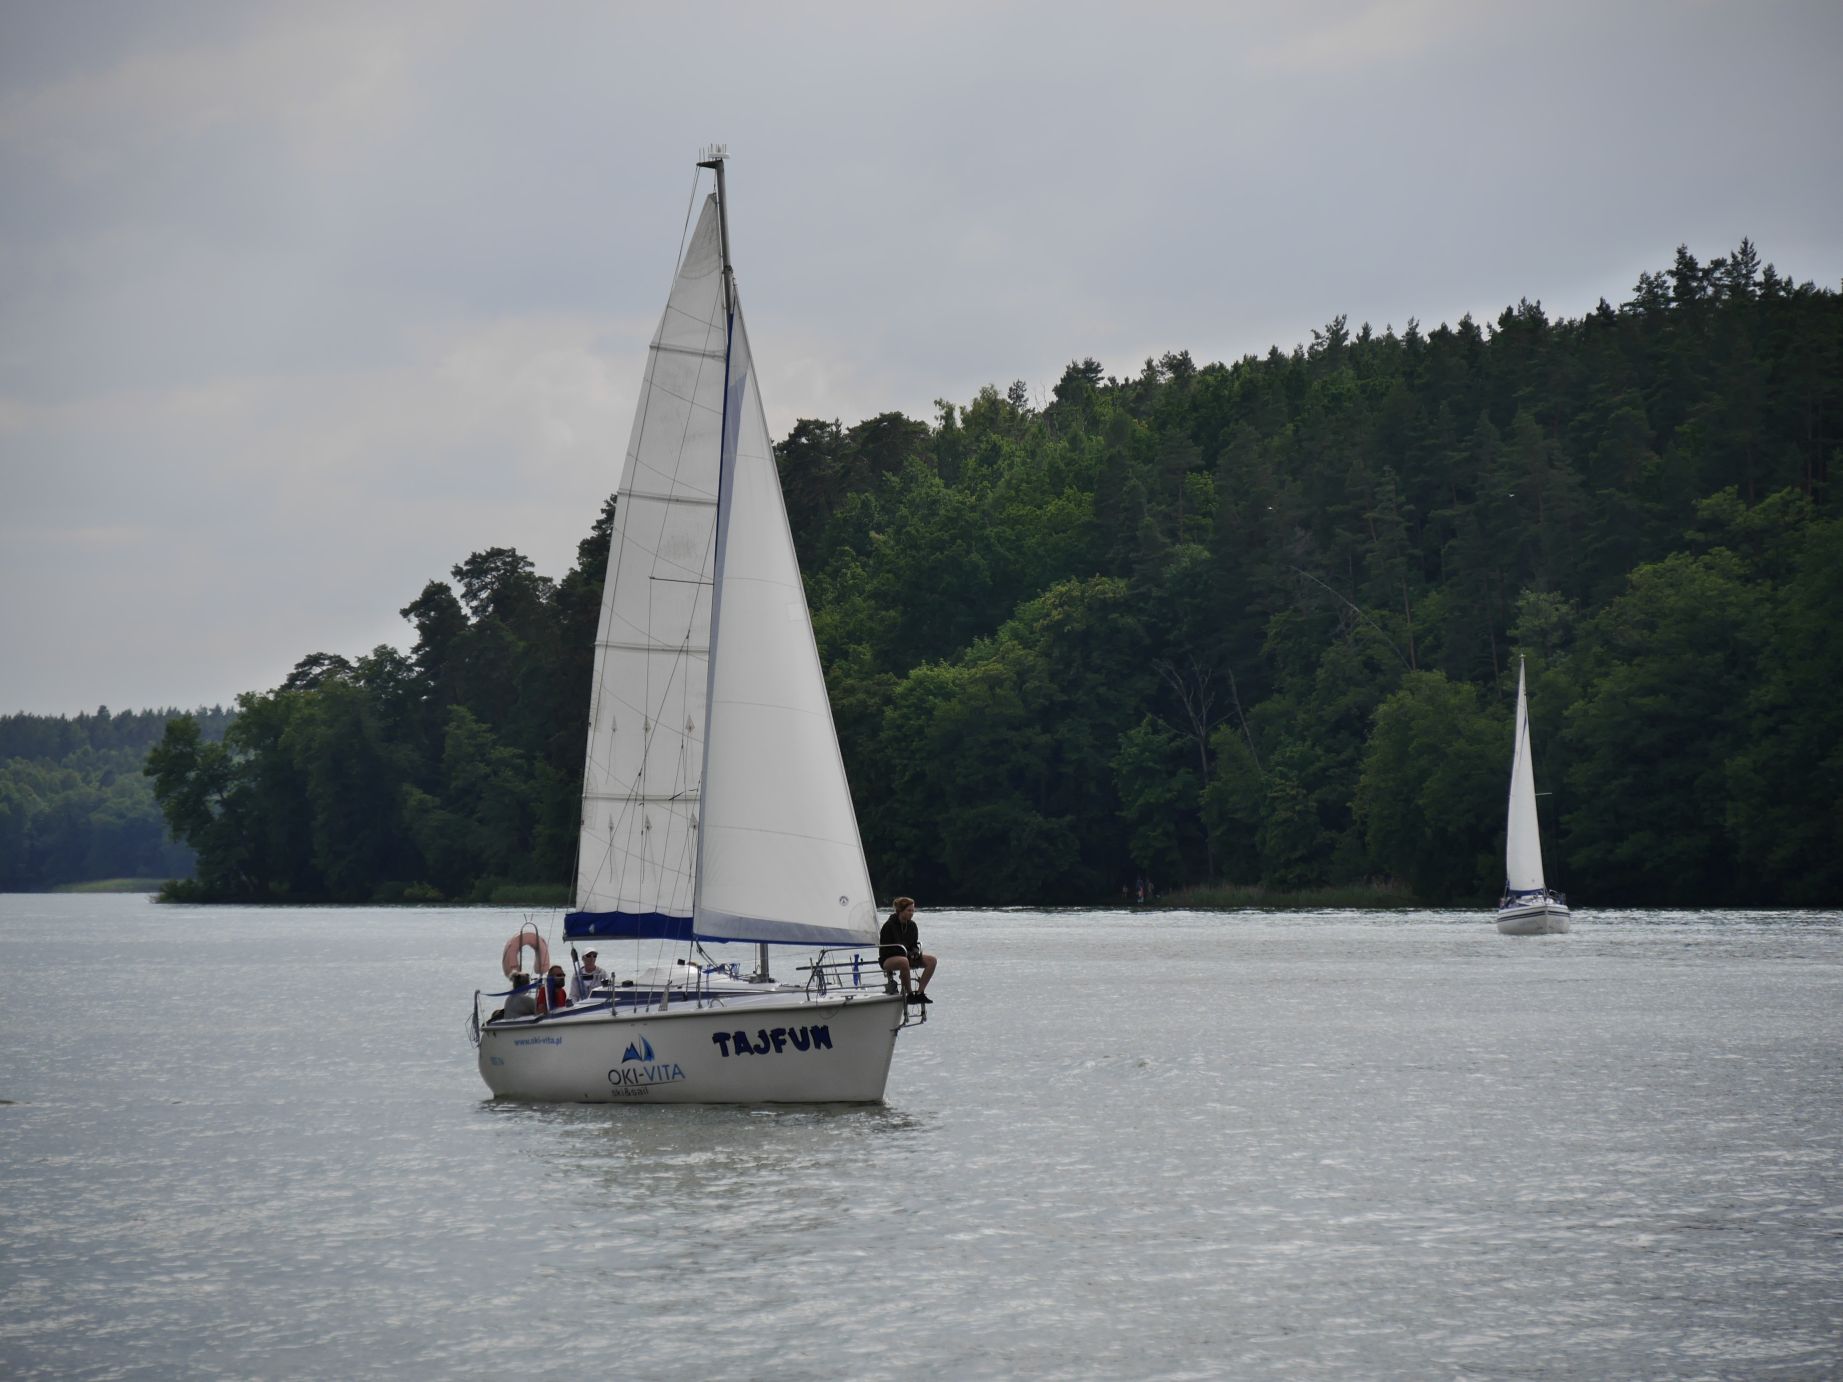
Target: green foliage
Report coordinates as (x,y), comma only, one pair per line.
(1783,810)
(1251,624)
(999,764)
(74,806)
(1293,845)
(1667,673)
(1234,802)
(1431,797)
(450,773)
(1156,777)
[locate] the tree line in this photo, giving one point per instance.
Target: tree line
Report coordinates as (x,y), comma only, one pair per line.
(74,803)
(1249,622)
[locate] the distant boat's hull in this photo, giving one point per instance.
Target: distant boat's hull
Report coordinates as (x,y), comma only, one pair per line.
(778,1050)
(1536,919)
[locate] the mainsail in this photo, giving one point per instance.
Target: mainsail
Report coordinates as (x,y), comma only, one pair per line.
(715,802)
(1522,840)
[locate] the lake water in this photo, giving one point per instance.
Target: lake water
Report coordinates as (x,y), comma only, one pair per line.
(247,1143)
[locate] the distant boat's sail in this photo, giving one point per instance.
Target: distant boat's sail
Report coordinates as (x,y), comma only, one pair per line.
(1522,841)
(715,801)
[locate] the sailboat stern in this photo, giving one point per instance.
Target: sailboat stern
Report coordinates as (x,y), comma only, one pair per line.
(1535,915)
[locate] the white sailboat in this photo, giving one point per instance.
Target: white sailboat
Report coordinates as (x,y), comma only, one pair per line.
(715,806)
(1529,907)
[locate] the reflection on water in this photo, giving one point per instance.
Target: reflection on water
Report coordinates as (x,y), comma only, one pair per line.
(1148,1144)
(671,1153)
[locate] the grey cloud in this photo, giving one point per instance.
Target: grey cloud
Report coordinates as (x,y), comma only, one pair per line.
(280,279)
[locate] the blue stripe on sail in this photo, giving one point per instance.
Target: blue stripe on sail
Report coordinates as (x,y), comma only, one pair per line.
(626,926)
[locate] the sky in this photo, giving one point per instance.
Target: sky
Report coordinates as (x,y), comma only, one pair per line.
(301,304)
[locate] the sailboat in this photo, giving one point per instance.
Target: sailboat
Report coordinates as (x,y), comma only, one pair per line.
(715,806)
(1529,907)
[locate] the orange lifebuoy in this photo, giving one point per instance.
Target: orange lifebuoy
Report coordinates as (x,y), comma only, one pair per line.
(527,939)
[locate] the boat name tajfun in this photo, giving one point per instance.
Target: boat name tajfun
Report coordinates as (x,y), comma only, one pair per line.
(775,1041)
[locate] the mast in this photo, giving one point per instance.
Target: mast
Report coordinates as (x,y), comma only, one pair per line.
(715,156)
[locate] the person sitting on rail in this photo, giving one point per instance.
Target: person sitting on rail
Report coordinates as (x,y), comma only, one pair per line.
(900,953)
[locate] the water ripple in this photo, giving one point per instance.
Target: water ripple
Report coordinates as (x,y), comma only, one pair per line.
(1176,1145)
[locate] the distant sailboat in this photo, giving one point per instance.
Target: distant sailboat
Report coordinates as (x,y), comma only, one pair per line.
(715,806)
(1529,907)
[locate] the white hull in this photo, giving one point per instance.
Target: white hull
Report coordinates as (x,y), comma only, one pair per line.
(780,1050)
(1537,919)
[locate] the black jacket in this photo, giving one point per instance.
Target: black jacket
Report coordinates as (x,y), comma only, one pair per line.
(898,938)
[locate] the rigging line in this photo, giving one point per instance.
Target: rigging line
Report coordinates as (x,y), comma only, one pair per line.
(611,577)
(770,833)
(684,234)
(630,805)
(706,358)
(632,788)
(687,350)
(656,709)
(650,382)
(694,500)
(674,479)
(689,400)
(621,823)
(691,615)
(626,843)
(684,231)
(661,879)
(628,792)
(651,709)
(687,842)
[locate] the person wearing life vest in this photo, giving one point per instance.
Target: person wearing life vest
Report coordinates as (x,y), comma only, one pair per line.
(551,995)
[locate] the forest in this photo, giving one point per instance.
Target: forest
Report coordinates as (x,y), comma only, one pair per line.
(75,804)
(1244,623)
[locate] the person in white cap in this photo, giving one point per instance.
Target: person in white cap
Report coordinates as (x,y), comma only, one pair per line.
(589,975)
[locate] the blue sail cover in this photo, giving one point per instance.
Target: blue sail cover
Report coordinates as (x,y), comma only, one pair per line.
(644,926)
(639,926)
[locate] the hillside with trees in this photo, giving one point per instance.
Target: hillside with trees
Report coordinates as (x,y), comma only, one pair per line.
(1254,622)
(75,806)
